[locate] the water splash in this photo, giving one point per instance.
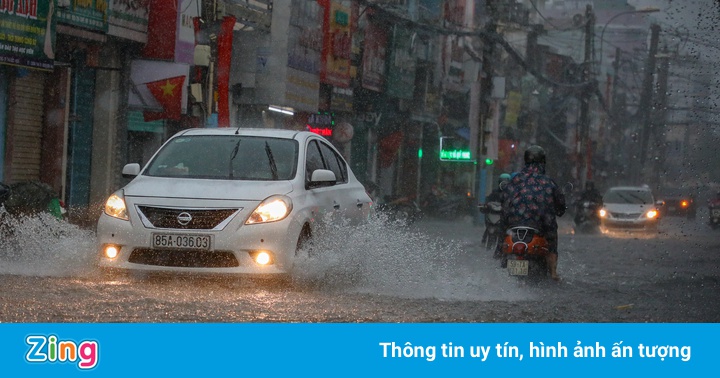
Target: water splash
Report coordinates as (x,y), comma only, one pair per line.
(388,257)
(42,245)
(381,257)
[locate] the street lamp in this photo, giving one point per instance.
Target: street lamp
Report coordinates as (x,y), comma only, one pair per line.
(602,35)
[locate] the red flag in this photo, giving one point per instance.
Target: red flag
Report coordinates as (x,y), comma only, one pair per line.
(224,52)
(168,92)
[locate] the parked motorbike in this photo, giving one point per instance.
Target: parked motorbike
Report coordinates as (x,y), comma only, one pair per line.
(524,251)
(493,233)
(442,204)
(403,209)
(714,213)
(587,219)
(28,198)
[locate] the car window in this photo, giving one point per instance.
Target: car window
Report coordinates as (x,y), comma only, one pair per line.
(628,196)
(313,160)
(226,158)
(334,163)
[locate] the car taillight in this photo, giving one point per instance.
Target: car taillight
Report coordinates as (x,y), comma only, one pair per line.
(684,203)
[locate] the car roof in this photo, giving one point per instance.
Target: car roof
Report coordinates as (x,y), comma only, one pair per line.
(275,133)
(636,188)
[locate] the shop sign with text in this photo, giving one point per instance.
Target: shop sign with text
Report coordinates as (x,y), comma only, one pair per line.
(86,14)
(27,33)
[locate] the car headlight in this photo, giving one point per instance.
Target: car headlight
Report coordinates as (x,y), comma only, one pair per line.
(651,214)
(115,207)
(602,213)
(272,209)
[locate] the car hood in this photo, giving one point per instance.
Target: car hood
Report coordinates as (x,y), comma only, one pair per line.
(627,208)
(146,186)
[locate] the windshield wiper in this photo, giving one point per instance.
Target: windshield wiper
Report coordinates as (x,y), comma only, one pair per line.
(232,157)
(271,159)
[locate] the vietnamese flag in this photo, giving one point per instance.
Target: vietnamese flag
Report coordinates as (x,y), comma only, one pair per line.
(168,93)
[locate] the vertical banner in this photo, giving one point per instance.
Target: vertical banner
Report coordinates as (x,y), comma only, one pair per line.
(373,64)
(337,45)
(27,33)
(224,43)
(401,68)
(185,43)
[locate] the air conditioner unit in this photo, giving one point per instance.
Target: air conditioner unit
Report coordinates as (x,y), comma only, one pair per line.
(202,55)
(196,92)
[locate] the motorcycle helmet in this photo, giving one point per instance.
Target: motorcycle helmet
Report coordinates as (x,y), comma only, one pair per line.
(504,177)
(535,154)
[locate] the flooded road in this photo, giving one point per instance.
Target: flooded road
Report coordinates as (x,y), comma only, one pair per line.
(431,271)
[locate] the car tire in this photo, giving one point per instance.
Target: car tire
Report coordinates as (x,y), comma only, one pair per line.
(304,244)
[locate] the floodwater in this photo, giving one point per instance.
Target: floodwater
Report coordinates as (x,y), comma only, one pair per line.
(431,271)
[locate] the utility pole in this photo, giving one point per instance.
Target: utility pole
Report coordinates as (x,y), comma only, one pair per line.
(587,73)
(660,114)
(646,97)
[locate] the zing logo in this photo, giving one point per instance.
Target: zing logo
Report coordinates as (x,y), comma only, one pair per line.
(50,349)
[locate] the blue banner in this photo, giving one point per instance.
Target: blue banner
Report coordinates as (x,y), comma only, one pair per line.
(558,350)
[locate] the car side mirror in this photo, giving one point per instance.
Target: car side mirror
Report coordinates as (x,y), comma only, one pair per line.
(322,178)
(131,170)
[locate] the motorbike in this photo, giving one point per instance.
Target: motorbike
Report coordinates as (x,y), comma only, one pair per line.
(524,251)
(28,198)
(493,232)
(586,218)
(441,204)
(714,213)
(403,209)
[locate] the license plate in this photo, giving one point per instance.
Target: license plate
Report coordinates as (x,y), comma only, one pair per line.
(182,241)
(716,212)
(517,267)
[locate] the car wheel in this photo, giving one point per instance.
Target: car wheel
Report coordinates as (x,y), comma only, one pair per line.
(304,244)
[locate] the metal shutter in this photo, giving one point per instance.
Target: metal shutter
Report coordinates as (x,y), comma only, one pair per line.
(27,126)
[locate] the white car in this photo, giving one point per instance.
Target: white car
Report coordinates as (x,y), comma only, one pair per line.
(228,201)
(629,208)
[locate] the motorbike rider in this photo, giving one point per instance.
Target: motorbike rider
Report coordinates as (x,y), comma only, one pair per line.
(495,196)
(533,199)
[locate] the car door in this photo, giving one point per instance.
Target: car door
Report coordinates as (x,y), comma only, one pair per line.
(348,194)
(323,199)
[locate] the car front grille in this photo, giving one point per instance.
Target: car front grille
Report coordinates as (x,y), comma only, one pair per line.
(184,259)
(625,216)
(204,219)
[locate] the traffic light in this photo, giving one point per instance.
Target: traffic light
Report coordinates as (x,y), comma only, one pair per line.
(489,161)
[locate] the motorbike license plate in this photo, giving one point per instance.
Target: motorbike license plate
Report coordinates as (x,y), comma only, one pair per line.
(716,212)
(517,267)
(182,241)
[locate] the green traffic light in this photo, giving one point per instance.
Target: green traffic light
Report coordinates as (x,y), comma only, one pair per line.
(488,161)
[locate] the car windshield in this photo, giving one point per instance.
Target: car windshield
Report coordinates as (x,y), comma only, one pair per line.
(628,196)
(226,157)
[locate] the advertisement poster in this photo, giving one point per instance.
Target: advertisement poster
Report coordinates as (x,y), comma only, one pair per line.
(27,33)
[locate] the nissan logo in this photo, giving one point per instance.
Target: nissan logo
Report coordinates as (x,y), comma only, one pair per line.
(184,218)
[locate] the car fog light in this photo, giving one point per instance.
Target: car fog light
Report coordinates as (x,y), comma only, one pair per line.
(262,257)
(111,251)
